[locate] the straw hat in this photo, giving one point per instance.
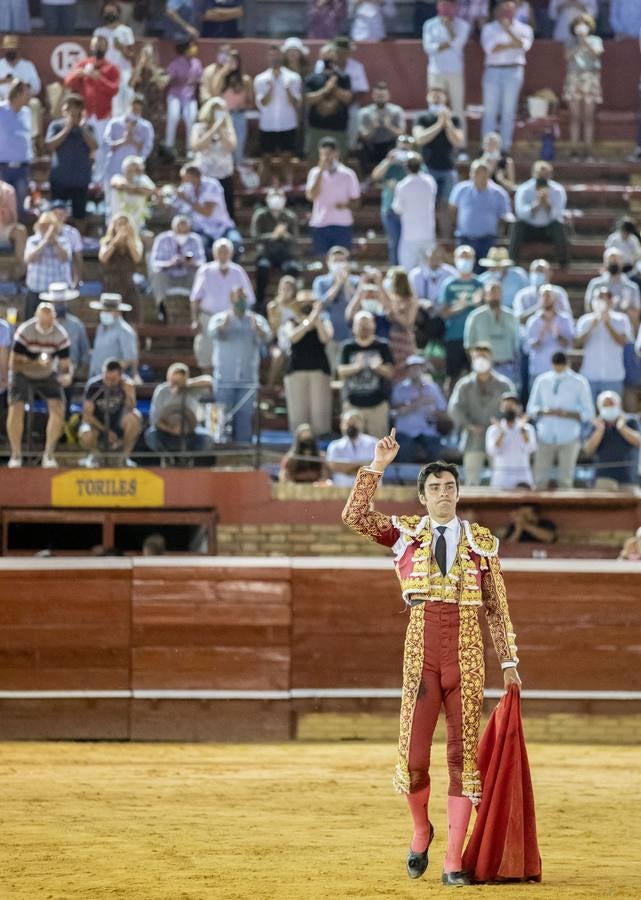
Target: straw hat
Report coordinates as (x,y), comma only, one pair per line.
(110,303)
(59,292)
(497,258)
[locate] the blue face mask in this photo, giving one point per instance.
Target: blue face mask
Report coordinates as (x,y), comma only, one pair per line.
(107,318)
(537,279)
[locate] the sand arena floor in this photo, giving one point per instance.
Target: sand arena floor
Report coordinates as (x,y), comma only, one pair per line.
(285,821)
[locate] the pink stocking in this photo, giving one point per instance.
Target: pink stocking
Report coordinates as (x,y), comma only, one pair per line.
(417,803)
(459,810)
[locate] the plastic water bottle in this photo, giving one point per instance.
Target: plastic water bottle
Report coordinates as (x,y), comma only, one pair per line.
(548,145)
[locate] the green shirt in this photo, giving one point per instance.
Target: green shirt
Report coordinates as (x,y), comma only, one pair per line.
(452,290)
(501,333)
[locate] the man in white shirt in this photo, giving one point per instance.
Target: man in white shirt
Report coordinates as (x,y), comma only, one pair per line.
(602,334)
(505,42)
(509,444)
(278,93)
(120,50)
(540,204)
(414,201)
(527,300)
(346,455)
(203,200)
(625,292)
(13,66)
(444,38)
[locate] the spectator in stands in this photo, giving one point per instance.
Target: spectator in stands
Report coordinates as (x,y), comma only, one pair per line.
(418,406)
(221,18)
(474,404)
(527,525)
(149,80)
(154,545)
(632,547)
(325,18)
(131,192)
(444,39)
(175,413)
(480,206)
(203,200)
(625,18)
(333,190)
(237,337)
(372,296)
(625,292)
(429,276)
(459,296)
(540,205)
(415,202)
(128,135)
(61,210)
(527,301)
(379,126)
(295,56)
(401,314)
(10,229)
(181,20)
(335,290)
(110,421)
(474,12)
(564,12)
(185,71)
(47,256)
(71,141)
(546,332)
(614,442)
(14,67)
(500,165)
(279,311)
(279,93)
(59,16)
(275,231)
(582,88)
(560,402)
(355,70)
(225,78)
(307,373)
(509,444)
(602,334)
(354,449)
(366,369)
(390,171)
(499,267)
(328,94)
(439,134)
(38,367)
(625,239)
(496,325)
(97,81)
(303,463)
(213,142)
(215,286)
(175,256)
(60,295)
(15,17)
(505,42)
(120,51)
(6,337)
(16,152)
(121,252)
(368,19)
(114,337)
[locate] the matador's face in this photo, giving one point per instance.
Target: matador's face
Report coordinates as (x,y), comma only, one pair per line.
(440,497)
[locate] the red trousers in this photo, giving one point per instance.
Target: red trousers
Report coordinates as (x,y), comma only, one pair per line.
(440,685)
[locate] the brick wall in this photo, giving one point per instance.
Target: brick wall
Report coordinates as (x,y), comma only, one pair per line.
(294,540)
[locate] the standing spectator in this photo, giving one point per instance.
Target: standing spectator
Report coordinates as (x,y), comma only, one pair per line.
(336,290)
(614,441)
(459,296)
(625,18)
(444,39)
(16,151)
(220,18)
(275,230)
(325,18)
(366,369)
(479,206)
(15,17)
(71,141)
(497,326)
(185,71)
(47,257)
(59,16)
(120,51)
(582,87)
(213,142)
(175,412)
(499,267)
(626,297)
(379,126)
(61,295)
(131,192)
(368,19)
(279,93)
(61,210)
(175,256)
(527,300)
(417,406)
(10,229)
(390,171)
(346,455)
(215,285)
(307,374)
(149,80)
(505,42)
(328,94)
(182,20)
(474,12)
(333,190)
(428,278)
(439,135)
(546,332)
(402,313)
(295,56)
(564,12)
(237,337)
(602,334)
(115,338)
(540,206)
(38,367)
(120,254)
(14,67)
(303,463)
(359,83)
(125,136)
(474,404)
(414,202)
(225,78)
(509,444)
(110,420)
(560,402)
(203,200)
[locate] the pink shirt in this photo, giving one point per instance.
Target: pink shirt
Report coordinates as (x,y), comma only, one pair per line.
(212,288)
(339,186)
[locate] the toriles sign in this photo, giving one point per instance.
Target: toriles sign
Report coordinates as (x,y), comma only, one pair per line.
(107,487)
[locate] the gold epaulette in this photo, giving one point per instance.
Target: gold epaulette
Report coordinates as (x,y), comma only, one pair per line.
(481,539)
(410,525)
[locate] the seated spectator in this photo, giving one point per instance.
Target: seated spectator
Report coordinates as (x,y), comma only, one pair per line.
(47,256)
(131,193)
(479,206)
(175,256)
(560,402)
(496,325)
(528,526)
(336,290)
(368,19)
(129,136)
(71,233)
(625,239)
(237,338)
(115,338)
(71,141)
(215,286)
(366,368)
(61,295)
(279,98)
(602,335)
(213,142)
(14,67)
(444,39)
(499,267)
(120,253)
(379,126)
(12,231)
(459,296)
(632,547)
(418,406)
(175,413)
(307,373)
(203,200)
(325,18)
(295,56)
(120,50)
(110,421)
(38,367)
(303,463)
(546,332)
(510,444)
(328,94)
(415,202)
(185,71)
(275,231)
(527,300)
(390,171)
(582,88)
(149,80)
(333,190)
(401,314)
(16,150)
(625,293)
(429,276)
(354,449)
(500,165)
(221,18)
(475,403)
(225,79)
(614,443)
(540,205)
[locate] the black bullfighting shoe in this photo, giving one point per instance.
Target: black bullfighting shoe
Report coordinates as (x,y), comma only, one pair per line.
(417,862)
(456,879)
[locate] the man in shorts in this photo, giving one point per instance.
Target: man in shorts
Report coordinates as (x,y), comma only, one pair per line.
(111,423)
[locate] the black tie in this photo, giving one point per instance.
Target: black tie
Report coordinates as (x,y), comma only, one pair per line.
(440,551)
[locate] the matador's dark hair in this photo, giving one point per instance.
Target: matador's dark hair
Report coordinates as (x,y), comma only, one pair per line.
(436,468)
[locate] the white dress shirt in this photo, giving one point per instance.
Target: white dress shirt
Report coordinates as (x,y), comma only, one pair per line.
(511,460)
(278,114)
(23,70)
(435,33)
(493,34)
(452,535)
(346,450)
(414,199)
(602,356)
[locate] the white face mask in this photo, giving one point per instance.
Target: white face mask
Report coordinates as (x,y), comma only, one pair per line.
(181,239)
(582,29)
(400,156)
(481,365)
(276,202)
(107,318)
(610,413)
(437,107)
(464,265)
(336,267)
(492,155)
(600,306)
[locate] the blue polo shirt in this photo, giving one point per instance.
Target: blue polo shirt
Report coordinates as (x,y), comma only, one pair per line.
(15,134)
(479,212)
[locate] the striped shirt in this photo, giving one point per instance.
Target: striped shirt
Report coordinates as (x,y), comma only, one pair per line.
(31,342)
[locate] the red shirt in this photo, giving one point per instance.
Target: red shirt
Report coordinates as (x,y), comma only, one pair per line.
(96,92)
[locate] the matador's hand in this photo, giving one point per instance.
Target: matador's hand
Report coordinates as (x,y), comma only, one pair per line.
(511,676)
(385,451)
